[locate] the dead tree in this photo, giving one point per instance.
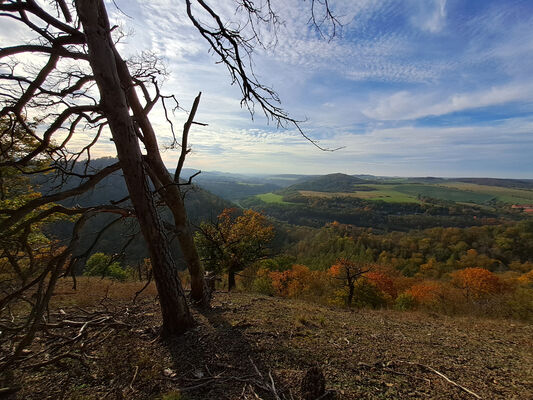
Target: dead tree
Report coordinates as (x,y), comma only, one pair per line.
(64,79)
(83,87)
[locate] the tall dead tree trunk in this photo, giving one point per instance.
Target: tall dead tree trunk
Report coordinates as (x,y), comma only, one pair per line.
(169,189)
(95,22)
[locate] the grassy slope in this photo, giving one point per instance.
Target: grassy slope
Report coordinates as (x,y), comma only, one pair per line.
(506,195)
(271,198)
(381,193)
(364,354)
(444,193)
(459,192)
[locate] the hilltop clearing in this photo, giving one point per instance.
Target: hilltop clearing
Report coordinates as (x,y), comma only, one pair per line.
(364,354)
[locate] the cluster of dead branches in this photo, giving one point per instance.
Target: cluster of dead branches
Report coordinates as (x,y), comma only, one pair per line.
(72,335)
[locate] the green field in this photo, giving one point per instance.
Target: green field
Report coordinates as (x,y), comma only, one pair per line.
(271,198)
(250,184)
(459,192)
(382,192)
(444,193)
(505,195)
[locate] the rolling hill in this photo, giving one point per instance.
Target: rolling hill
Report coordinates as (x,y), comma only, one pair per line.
(329,183)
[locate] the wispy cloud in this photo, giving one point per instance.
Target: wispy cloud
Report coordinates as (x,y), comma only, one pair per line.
(420,87)
(405,105)
(428,15)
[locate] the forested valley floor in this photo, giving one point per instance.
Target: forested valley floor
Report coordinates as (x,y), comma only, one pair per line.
(99,344)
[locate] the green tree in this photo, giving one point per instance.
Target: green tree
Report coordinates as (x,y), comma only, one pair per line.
(100,264)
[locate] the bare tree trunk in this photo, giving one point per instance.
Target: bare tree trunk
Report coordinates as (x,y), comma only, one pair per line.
(231,279)
(170,190)
(350,294)
(172,196)
(176,316)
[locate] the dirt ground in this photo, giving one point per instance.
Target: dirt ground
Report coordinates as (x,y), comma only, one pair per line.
(255,347)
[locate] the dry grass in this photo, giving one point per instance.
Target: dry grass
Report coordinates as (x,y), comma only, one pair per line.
(364,354)
(91,290)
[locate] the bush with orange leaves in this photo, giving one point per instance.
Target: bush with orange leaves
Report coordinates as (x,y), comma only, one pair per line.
(425,293)
(298,281)
(383,282)
(477,282)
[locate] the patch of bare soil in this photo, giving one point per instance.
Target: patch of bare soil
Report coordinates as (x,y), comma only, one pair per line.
(255,347)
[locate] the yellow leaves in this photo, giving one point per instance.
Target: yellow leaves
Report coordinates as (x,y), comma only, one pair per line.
(526,279)
(477,281)
(234,241)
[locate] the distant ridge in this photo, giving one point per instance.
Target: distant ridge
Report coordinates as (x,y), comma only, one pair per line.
(330,183)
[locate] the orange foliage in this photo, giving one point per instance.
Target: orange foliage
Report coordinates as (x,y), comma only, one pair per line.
(335,270)
(425,292)
(526,279)
(295,281)
(383,282)
(280,281)
(477,282)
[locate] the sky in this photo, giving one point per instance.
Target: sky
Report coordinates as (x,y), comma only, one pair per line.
(407,87)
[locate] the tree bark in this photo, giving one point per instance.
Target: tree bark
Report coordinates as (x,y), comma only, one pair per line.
(170,191)
(93,16)
(231,279)
(351,289)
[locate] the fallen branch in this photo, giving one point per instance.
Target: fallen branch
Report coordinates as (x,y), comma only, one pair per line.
(143,288)
(392,371)
(134,377)
(9,390)
(442,376)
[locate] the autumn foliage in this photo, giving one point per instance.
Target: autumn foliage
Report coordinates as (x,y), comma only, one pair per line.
(298,281)
(425,293)
(477,282)
(349,283)
(383,282)
(234,241)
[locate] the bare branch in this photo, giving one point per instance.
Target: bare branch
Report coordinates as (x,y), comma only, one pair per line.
(185,136)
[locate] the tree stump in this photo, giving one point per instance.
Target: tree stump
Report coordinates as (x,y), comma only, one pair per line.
(313,384)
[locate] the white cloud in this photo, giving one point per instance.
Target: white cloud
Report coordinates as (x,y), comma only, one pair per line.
(406,105)
(429,15)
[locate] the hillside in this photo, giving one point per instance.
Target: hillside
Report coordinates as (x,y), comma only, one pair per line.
(364,354)
(329,183)
(201,205)
(229,186)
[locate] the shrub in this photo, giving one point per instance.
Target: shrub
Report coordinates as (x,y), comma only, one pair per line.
(405,301)
(290,283)
(367,294)
(99,264)
(425,293)
(383,283)
(115,271)
(526,279)
(520,304)
(263,283)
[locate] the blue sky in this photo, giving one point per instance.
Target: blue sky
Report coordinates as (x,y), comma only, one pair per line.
(411,87)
